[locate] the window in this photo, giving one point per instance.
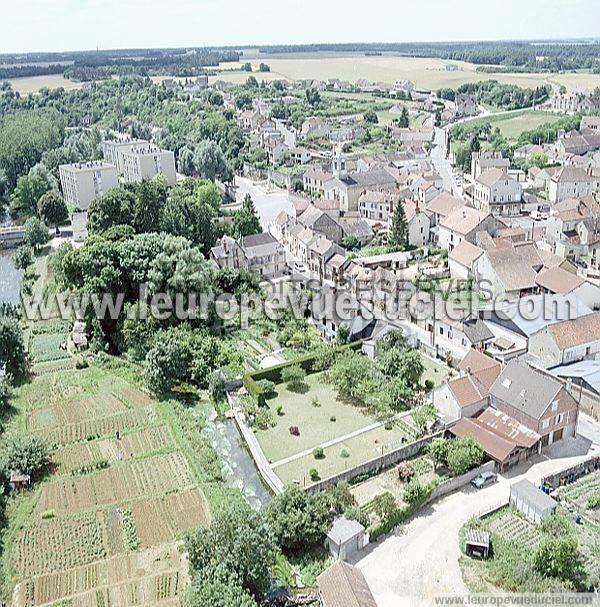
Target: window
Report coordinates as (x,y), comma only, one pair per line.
(555,405)
(560,418)
(545,424)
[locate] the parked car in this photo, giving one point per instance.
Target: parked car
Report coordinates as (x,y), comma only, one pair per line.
(581,264)
(484,479)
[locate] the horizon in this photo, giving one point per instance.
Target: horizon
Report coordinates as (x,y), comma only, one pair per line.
(40,26)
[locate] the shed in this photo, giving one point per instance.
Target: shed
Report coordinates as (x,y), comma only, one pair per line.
(345,538)
(531,501)
(19,480)
(477,543)
(343,585)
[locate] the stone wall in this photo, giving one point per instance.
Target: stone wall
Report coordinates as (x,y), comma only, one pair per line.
(453,484)
(571,474)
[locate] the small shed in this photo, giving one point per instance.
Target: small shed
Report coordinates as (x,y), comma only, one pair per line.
(531,501)
(345,538)
(477,543)
(19,480)
(79,336)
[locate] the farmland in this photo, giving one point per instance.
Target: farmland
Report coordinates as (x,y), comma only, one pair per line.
(126,486)
(32,84)
(425,73)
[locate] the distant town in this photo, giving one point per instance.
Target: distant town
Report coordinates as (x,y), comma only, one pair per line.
(417,423)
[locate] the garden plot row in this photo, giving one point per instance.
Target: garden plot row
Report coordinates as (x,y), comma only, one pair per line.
(80,457)
(160,519)
(98,428)
(583,488)
(514,528)
(133,480)
(136,579)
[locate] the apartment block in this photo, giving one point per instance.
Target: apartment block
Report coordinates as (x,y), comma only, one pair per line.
(83,182)
(145,162)
(113,150)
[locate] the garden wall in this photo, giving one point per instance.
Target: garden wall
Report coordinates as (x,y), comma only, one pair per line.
(453,484)
(380,462)
(571,474)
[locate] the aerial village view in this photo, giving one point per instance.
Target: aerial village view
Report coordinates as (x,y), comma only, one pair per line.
(299,303)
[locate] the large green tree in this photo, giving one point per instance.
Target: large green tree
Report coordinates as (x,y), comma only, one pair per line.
(246,220)
(398,235)
(52,209)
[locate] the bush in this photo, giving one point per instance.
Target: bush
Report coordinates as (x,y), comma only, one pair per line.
(406,471)
(314,475)
(280,410)
(384,505)
(414,492)
(268,387)
(294,377)
(429,384)
(345,453)
(333,418)
(294,430)
(263,419)
(594,502)
(318,453)
(315,402)
(464,454)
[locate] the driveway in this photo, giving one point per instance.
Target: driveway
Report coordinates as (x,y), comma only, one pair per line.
(420,562)
(269,202)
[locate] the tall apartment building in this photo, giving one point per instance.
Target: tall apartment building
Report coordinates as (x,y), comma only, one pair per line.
(137,160)
(83,182)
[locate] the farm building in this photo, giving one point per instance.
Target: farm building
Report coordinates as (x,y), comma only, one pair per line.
(343,585)
(345,538)
(531,501)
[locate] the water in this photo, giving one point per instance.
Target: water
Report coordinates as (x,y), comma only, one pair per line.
(240,471)
(10,278)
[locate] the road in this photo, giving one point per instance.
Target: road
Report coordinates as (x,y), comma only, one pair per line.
(268,202)
(420,563)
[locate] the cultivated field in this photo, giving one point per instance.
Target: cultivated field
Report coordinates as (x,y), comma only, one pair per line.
(32,84)
(425,73)
(84,534)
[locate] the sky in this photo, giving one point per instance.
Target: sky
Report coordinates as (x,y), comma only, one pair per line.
(59,25)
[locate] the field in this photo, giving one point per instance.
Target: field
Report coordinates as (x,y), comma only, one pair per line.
(347,434)
(101,529)
(32,84)
(425,73)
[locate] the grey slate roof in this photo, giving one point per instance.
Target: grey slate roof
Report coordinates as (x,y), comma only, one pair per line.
(343,530)
(525,389)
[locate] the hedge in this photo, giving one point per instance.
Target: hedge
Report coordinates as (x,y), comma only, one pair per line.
(274,373)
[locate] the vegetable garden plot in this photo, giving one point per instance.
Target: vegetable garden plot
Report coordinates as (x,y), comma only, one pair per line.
(514,528)
(137,479)
(58,544)
(97,428)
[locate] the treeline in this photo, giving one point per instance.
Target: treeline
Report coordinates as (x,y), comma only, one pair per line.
(505,96)
(105,64)
(545,56)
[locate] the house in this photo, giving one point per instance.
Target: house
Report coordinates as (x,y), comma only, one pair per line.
(261,254)
(573,230)
(345,538)
(537,401)
(314,127)
(466,104)
(19,480)
(562,282)
(463,223)
(314,180)
(441,206)
(465,396)
(320,251)
(418,222)
(569,341)
(343,585)
(482,161)
(504,440)
(571,182)
(591,123)
(376,205)
(322,223)
(575,101)
(497,193)
(462,259)
(531,501)
(299,155)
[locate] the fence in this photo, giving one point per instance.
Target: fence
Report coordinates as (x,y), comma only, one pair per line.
(374,465)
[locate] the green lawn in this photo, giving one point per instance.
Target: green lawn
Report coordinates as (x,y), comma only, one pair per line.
(515,125)
(435,371)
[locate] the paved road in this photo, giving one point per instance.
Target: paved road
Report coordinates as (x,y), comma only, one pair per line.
(268,202)
(421,562)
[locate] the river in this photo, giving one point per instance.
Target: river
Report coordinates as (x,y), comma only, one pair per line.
(10,277)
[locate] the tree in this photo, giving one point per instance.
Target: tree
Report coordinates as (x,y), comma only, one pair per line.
(399,229)
(23,257)
(246,221)
(371,117)
(558,557)
(36,233)
(293,376)
(350,243)
(313,97)
(438,450)
(246,67)
(150,197)
(4,396)
(116,207)
(263,67)
(217,593)
(52,208)
(298,520)
(239,544)
(414,492)
(210,162)
(464,454)
(28,191)
(537,159)
(29,454)
(404,120)
(438,117)
(405,364)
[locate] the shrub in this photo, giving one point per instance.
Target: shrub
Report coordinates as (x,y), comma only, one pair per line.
(414,492)
(355,513)
(333,418)
(280,410)
(81,363)
(345,453)
(315,402)
(389,426)
(263,419)
(294,377)
(464,454)
(594,501)
(48,514)
(429,384)
(406,471)
(384,505)
(314,475)
(268,387)
(318,453)
(294,430)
